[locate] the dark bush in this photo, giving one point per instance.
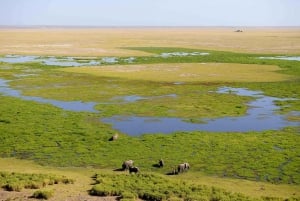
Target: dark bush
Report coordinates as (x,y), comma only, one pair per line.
(42,194)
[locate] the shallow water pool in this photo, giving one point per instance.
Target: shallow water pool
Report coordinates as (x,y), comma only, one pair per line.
(260,116)
(289,58)
(76,106)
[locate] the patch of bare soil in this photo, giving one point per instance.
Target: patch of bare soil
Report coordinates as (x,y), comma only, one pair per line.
(25,195)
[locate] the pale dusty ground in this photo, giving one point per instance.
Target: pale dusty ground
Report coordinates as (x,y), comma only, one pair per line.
(25,195)
(108,41)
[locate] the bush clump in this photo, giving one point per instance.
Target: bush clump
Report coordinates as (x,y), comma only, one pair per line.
(152,187)
(17,181)
(42,194)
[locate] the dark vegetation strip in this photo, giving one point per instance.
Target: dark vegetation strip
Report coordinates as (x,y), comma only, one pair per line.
(156,188)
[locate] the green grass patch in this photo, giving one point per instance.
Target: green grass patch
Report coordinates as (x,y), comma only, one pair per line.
(51,136)
(156,188)
(12,181)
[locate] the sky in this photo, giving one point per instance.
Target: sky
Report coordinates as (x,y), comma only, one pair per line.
(150,12)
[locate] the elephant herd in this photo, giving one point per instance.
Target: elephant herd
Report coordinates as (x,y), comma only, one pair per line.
(128,165)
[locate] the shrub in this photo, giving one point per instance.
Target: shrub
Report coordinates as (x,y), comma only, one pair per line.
(17,181)
(42,194)
(13,187)
(128,195)
(100,190)
(152,187)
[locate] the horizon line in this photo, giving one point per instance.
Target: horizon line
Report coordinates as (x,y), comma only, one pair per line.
(146,26)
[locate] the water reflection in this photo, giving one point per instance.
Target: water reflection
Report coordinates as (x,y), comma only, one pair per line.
(260,116)
(182,54)
(77,106)
(134,98)
(64,61)
(289,58)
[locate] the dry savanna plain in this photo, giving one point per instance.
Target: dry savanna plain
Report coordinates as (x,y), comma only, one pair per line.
(64,92)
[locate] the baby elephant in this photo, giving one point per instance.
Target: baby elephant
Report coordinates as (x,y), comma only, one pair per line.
(183,167)
(161,163)
(127,164)
(134,169)
(114,137)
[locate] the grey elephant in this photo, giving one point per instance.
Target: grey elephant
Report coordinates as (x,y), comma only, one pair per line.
(127,164)
(134,169)
(183,167)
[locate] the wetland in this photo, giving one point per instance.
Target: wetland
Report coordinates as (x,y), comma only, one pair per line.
(232,113)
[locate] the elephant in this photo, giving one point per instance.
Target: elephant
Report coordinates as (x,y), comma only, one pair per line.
(114,137)
(161,163)
(134,169)
(183,167)
(127,164)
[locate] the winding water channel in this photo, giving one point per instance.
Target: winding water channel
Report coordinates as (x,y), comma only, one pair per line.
(261,114)
(76,106)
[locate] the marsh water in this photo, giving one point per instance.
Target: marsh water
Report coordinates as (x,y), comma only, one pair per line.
(289,58)
(77,106)
(260,116)
(84,61)
(261,113)
(182,54)
(94,61)
(63,61)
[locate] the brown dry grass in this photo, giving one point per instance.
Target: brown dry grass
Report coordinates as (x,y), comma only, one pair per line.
(107,41)
(193,72)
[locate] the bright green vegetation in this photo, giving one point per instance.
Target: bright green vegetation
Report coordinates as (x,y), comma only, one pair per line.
(54,137)
(18,181)
(51,136)
(215,56)
(153,187)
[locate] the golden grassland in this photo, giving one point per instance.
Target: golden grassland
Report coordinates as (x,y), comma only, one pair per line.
(110,41)
(83,181)
(188,72)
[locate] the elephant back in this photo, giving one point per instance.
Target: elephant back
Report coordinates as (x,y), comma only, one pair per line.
(127,164)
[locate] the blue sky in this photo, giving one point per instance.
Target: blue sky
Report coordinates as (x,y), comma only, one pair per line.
(150,12)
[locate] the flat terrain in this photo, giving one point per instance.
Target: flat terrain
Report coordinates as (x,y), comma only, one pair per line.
(109,41)
(201,72)
(83,181)
(42,138)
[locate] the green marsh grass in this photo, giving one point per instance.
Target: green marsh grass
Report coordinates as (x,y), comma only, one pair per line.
(51,136)
(54,137)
